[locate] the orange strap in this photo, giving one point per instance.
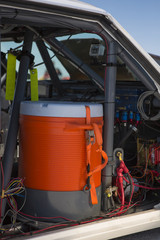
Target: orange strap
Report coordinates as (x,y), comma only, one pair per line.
(88,148)
(88,115)
(99,140)
(98,137)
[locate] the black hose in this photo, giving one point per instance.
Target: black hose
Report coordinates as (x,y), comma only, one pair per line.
(128,134)
(131,187)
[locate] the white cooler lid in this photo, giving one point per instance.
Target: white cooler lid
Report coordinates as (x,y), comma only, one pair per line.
(60,109)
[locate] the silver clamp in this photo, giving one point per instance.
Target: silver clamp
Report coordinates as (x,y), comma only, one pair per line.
(90,137)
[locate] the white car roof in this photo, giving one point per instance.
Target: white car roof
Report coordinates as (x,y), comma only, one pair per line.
(118,32)
(82,6)
(75,4)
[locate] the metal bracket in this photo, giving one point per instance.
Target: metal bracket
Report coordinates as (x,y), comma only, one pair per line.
(113,64)
(115,156)
(109,191)
(116,159)
(90,137)
(111,163)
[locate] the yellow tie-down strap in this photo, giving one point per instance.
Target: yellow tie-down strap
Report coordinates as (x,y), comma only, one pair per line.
(11,76)
(34,84)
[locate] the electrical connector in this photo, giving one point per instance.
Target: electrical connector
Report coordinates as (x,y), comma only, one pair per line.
(109,191)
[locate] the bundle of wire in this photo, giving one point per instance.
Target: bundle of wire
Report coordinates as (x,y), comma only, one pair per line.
(140,106)
(121,194)
(147,177)
(14,187)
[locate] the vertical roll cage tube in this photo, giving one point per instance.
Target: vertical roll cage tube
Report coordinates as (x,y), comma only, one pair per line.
(11,140)
(49,65)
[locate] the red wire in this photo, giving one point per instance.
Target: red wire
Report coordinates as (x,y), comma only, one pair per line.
(45,229)
(61,225)
(119,183)
(119,180)
(119,213)
(89,221)
(116,214)
(58,217)
(130,200)
(2,189)
(141,186)
(132,189)
(27,215)
(122,197)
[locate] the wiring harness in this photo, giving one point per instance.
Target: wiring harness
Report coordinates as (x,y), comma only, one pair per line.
(140,106)
(14,188)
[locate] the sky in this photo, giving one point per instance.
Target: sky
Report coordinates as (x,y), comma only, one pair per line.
(141,19)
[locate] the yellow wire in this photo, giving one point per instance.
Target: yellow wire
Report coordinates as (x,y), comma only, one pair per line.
(20,185)
(15,181)
(119,155)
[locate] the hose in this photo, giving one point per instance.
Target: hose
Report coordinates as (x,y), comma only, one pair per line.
(140,107)
(128,134)
(131,187)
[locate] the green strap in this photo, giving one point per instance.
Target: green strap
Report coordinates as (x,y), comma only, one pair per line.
(11,76)
(34,84)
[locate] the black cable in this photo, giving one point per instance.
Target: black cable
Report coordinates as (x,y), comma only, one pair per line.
(55,54)
(131,187)
(127,135)
(131,158)
(154,129)
(140,107)
(41,63)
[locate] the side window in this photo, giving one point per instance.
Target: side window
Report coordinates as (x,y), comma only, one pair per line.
(89,48)
(40,65)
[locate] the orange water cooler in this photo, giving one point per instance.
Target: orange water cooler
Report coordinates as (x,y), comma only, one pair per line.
(53,158)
